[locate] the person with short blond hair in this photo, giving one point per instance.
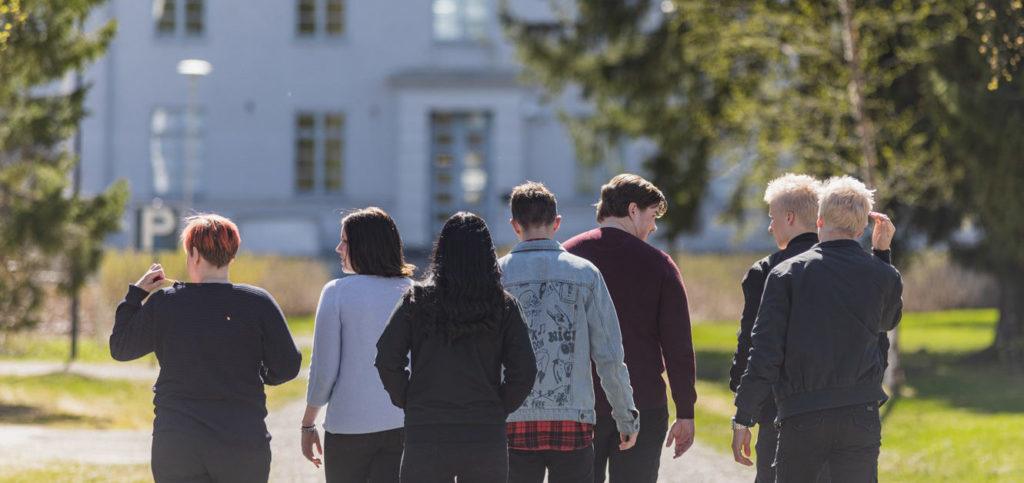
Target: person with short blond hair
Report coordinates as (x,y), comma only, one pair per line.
(218,344)
(816,346)
(845,206)
(793,211)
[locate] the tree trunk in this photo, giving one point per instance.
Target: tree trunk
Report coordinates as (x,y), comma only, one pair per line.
(1009,343)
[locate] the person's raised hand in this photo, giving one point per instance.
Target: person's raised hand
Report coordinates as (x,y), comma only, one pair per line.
(627,441)
(883,232)
(152,279)
(741,446)
(681,433)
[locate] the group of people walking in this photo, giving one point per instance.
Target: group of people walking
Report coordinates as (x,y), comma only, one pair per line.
(555,359)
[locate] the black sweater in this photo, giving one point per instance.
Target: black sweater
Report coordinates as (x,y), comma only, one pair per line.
(458,383)
(816,337)
(217,344)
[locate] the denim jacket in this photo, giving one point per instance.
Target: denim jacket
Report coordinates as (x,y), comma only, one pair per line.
(572,321)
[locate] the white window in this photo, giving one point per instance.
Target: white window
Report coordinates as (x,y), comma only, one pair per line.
(319,152)
(461,20)
(178,17)
(315,18)
(173,154)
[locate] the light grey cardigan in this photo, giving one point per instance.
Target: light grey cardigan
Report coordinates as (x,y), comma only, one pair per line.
(350,317)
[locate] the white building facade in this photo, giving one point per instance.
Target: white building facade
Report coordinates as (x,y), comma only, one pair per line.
(314,107)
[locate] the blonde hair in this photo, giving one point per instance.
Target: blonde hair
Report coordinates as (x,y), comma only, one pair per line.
(797,193)
(845,204)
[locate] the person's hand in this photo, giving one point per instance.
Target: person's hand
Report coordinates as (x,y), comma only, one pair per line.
(309,440)
(884,230)
(681,433)
(627,440)
(741,446)
(152,279)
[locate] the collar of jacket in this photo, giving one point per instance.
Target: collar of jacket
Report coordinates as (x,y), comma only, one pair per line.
(547,244)
(809,237)
(842,242)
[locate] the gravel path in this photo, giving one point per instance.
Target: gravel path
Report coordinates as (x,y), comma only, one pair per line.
(24,445)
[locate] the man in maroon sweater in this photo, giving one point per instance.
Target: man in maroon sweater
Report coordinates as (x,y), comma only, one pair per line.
(650,301)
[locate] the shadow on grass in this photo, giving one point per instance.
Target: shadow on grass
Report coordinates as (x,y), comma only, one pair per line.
(963,381)
(22,414)
(957,379)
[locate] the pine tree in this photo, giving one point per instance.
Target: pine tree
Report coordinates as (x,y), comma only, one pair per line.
(48,233)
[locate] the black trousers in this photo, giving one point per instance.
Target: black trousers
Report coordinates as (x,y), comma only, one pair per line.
(483,462)
(640,463)
(768,442)
(181,457)
(562,466)
(847,438)
(361,458)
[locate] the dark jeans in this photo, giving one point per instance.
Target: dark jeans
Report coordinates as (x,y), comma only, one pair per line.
(180,457)
(847,438)
(361,458)
(562,466)
(768,441)
(477,462)
(638,464)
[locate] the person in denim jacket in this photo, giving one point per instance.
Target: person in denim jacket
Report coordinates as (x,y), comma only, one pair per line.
(572,321)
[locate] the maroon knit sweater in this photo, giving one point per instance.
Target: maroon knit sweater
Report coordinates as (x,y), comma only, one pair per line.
(650,300)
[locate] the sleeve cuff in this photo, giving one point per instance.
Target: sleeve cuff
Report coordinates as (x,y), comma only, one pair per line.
(135,295)
(884,255)
(684,411)
(743,418)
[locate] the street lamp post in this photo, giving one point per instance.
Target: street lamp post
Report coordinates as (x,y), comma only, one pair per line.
(193,69)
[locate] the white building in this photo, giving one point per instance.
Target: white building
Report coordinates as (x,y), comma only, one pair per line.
(318,106)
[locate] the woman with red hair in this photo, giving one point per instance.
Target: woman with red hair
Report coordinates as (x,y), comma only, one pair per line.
(218,344)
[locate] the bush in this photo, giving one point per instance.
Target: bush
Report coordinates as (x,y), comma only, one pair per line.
(933,282)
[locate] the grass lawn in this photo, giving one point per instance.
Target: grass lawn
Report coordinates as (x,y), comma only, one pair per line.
(84,473)
(67,400)
(33,346)
(958,421)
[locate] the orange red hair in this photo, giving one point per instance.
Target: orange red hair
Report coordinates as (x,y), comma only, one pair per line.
(215,237)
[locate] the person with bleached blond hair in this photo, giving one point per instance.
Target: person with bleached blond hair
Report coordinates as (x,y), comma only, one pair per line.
(793,213)
(815,344)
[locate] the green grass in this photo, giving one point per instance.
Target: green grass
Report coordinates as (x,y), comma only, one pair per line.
(34,346)
(66,400)
(960,420)
(77,472)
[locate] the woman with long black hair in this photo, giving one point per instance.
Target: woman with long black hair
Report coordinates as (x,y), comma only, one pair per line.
(462,329)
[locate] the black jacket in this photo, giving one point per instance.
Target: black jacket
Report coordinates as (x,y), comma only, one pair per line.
(753,287)
(461,382)
(816,337)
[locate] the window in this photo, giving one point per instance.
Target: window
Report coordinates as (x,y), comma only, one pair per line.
(320,17)
(459,163)
(319,152)
(169,151)
(461,20)
(178,17)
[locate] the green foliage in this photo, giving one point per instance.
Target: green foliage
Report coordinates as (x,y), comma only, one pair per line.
(77,472)
(50,234)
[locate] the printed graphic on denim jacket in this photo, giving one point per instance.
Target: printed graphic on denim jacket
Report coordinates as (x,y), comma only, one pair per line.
(549,307)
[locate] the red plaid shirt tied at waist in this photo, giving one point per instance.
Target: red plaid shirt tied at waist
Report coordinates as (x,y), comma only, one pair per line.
(549,435)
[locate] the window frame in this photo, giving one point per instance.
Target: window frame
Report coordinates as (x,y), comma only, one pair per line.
(321,137)
(179,21)
(488,24)
(320,21)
